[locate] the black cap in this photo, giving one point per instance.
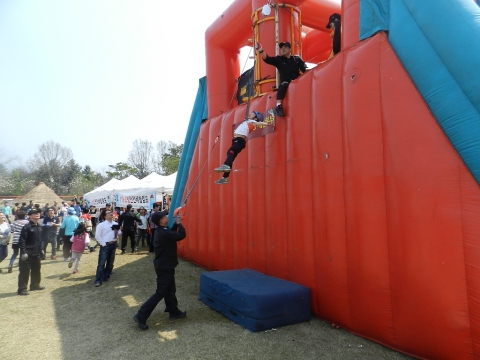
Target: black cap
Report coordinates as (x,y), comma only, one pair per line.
(332,19)
(34,211)
(156,216)
(286,43)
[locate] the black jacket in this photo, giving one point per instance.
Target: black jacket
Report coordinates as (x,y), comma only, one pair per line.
(30,241)
(127,220)
(165,245)
(288,68)
(49,232)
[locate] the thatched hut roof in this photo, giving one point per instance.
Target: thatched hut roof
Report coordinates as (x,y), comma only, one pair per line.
(41,194)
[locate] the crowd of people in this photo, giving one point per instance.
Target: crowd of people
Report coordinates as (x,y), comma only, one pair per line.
(73,227)
(61,226)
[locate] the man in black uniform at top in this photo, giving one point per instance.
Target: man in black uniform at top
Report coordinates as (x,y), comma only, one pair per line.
(30,244)
(126,221)
(289,68)
(165,244)
(334,23)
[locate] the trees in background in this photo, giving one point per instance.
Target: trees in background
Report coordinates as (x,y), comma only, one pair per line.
(170,159)
(141,158)
(144,158)
(55,165)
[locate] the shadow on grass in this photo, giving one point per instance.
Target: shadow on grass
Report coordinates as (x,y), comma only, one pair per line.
(97,323)
(7,295)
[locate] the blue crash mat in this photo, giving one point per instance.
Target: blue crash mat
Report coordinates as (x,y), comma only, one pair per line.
(256,301)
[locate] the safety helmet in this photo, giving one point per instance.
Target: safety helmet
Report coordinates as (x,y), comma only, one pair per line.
(259,115)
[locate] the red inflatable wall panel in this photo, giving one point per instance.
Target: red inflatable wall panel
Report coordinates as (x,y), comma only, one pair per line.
(350,22)
(358,195)
(316,46)
(329,229)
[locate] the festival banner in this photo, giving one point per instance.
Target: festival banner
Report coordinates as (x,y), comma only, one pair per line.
(98,200)
(122,199)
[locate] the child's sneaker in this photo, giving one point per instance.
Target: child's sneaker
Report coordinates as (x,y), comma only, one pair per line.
(70,263)
(221,181)
(223,168)
(75,271)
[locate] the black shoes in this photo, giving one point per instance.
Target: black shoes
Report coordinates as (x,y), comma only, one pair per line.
(37,288)
(10,269)
(279,111)
(141,326)
(25,292)
(177,315)
(123,252)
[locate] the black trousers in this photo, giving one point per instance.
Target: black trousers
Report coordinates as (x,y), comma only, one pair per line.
(150,238)
(238,144)
(125,235)
(166,289)
(142,234)
(282,90)
(67,246)
(52,240)
(29,269)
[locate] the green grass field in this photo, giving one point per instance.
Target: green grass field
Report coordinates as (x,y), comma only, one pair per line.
(71,319)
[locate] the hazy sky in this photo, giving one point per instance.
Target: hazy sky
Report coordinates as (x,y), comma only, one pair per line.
(94,75)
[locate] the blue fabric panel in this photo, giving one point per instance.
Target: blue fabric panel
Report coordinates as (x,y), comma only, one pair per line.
(374,17)
(438,43)
(199,113)
(452,28)
(254,300)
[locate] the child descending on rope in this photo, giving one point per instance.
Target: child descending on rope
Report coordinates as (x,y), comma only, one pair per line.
(238,143)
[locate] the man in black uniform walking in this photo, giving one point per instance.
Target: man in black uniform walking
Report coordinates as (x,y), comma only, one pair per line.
(165,244)
(126,221)
(30,244)
(289,67)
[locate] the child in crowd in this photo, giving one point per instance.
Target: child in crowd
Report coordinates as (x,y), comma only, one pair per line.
(79,240)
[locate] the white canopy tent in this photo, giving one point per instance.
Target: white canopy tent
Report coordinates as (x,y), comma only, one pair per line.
(102,195)
(130,182)
(133,191)
(108,186)
(152,179)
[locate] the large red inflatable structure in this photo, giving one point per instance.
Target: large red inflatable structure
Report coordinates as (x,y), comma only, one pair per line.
(357,194)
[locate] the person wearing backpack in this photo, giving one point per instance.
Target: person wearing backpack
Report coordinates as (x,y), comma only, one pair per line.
(79,240)
(86,219)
